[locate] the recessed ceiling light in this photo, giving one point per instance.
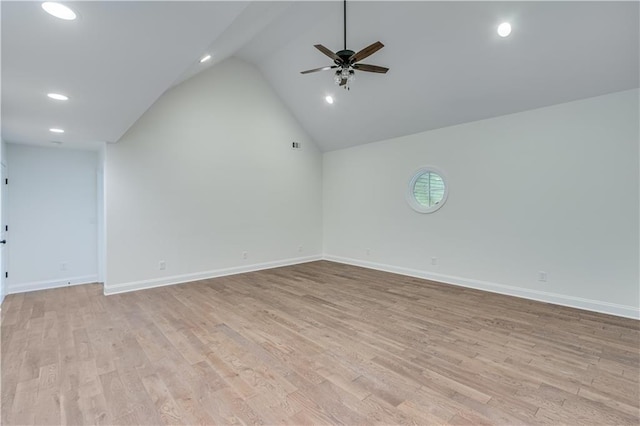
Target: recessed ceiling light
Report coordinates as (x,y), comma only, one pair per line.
(54,130)
(205,58)
(504,29)
(329,99)
(58,96)
(59,10)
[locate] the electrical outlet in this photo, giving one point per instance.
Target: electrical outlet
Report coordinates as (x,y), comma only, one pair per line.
(368,252)
(162,265)
(63,266)
(542,276)
(434,260)
(299,249)
(245,255)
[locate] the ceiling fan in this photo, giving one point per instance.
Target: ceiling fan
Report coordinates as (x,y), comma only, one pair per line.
(347,61)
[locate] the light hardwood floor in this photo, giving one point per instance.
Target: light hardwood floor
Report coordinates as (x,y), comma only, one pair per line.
(319,343)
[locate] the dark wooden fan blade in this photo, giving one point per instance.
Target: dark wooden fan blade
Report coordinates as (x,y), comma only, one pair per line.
(370,68)
(328,53)
(343,82)
(318,69)
(367,51)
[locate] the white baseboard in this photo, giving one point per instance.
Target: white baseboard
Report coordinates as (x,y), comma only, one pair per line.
(541,296)
(180,279)
(45,285)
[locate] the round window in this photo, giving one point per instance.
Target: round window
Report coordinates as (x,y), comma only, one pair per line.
(427,190)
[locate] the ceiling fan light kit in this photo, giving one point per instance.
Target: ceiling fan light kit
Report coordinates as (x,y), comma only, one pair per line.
(347,61)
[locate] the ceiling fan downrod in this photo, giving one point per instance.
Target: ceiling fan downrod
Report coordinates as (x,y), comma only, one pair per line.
(345,23)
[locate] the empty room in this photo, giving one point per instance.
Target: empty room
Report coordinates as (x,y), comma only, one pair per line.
(320,212)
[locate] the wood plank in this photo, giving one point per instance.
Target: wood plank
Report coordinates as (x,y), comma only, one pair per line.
(166,406)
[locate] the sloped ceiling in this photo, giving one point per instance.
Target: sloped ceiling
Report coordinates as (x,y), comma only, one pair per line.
(447,64)
(113,62)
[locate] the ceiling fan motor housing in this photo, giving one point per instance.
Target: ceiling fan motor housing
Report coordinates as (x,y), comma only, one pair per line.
(344,55)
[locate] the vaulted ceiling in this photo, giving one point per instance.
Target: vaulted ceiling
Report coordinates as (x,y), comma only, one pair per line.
(447,63)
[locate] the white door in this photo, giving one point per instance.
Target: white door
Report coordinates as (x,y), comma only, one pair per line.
(3,233)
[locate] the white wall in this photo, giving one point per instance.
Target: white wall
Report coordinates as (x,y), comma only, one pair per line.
(553,189)
(206,174)
(52,217)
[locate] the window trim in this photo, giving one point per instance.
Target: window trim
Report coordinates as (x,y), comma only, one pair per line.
(411,199)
